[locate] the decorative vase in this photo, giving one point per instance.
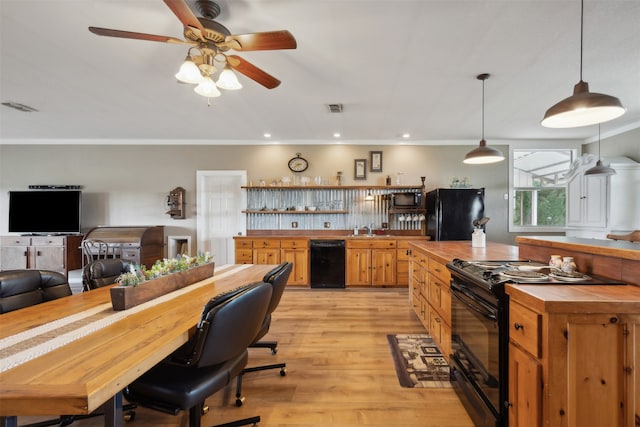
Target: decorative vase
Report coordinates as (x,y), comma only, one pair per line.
(125,297)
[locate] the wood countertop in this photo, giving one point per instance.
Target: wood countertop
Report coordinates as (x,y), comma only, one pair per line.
(336,237)
(446,251)
(577,299)
(612,248)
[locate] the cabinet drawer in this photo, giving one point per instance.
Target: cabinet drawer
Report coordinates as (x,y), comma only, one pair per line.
(440,298)
(439,270)
(266,243)
(293,244)
(370,243)
(244,256)
(15,241)
(243,243)
(525,328)
(47,241)
(130,254)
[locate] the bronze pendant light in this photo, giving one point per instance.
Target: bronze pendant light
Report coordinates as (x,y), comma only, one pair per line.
(583,107)
(599,168)
(483,154)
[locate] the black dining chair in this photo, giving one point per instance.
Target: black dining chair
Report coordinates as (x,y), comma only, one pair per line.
(277,278)
(103,272)
(216,353)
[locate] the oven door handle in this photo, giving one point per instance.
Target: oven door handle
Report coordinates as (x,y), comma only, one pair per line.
(474,304)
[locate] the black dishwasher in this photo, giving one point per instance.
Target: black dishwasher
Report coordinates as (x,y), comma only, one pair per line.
(327,263)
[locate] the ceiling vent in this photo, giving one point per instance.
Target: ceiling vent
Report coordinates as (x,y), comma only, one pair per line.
(335,108)
(19,107)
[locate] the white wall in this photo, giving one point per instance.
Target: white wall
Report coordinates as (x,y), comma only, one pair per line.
(128,184)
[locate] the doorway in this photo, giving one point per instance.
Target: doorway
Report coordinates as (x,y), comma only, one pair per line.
(220,202)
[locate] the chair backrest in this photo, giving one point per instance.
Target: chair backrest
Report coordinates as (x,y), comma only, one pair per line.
(94,249)
(103,272)
(278,278)
(24,288)
(228,324)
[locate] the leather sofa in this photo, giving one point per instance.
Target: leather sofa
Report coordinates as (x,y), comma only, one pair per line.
(24,288)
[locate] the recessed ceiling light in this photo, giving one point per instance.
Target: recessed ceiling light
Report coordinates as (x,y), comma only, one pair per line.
(336,135)
(406,135)
(267,135)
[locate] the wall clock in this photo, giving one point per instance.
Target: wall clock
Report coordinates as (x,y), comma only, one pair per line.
(298,164)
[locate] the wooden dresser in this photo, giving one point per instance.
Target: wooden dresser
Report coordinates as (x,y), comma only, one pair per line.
(143,245)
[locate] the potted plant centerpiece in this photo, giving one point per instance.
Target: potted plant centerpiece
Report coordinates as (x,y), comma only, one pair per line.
(139,284)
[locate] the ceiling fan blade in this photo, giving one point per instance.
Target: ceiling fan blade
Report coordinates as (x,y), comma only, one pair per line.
(269,40)
(138,36)
(185,15)
(253,72)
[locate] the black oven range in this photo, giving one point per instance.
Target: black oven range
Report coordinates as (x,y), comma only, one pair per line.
(480,330)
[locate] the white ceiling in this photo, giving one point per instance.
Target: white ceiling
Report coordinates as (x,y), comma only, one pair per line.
(396,65)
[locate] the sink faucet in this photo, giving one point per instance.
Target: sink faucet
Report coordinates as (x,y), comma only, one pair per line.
(369,229)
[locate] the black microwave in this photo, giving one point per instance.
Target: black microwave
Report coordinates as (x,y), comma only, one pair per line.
(407,200)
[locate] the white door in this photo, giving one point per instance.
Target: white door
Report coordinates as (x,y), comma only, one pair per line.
(220,202)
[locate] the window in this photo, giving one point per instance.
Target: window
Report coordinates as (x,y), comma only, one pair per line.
(538,188)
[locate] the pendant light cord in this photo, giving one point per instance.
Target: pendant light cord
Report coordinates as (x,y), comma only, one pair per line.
(482,108)
(581,33)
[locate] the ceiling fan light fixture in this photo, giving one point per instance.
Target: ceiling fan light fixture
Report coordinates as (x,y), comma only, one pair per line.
(189,72)
(583,108)
(207,88)
(228,80)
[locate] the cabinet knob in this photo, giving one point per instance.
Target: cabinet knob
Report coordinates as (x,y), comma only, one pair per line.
(508,404)
(518,326)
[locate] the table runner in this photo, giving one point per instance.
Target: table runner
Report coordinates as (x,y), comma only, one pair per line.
(22,347)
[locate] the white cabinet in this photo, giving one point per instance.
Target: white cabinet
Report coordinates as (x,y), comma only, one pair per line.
(598,205)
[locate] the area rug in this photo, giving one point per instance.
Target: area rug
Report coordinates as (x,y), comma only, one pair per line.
(418,361)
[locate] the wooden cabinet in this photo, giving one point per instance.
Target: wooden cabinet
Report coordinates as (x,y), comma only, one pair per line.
(573,366)
(371,262)
(402,262)
(430,296)
(56,253)
(597,204)
(274,251)
(296,251)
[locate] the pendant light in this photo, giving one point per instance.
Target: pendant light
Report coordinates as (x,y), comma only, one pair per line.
(483,154)
(583,107)
(599,168)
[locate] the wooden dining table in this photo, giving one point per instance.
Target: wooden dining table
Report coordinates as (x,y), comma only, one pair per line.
(75,355)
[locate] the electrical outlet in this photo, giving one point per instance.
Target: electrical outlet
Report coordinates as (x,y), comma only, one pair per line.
(294,224)
(327,224)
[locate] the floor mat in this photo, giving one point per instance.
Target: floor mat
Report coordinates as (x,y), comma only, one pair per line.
(418,361)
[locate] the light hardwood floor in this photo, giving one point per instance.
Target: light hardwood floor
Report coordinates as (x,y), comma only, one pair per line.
(340,370)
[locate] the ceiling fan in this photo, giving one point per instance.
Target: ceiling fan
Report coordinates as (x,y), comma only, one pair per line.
(211,41)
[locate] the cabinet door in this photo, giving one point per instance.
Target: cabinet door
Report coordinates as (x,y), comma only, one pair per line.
(595,200)
(49,258)
(266,256)
(14,257)
(595,377)
(384,267)
(300,260)
(525,389)
(632,368)
(358,267)
(574,200)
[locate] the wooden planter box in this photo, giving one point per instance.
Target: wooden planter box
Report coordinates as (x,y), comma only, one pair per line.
(125,297)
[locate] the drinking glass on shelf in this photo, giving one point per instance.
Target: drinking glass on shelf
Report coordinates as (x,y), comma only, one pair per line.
(401,218)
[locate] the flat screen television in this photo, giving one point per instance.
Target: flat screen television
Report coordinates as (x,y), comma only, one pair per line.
(45,211)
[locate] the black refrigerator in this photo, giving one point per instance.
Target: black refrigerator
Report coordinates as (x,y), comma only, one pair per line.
(451,211)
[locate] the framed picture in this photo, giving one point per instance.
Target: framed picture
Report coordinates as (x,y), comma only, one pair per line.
(360,169)
(375,161)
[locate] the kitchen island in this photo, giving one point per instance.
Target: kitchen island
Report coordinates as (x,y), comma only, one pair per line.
(618,260)
(429,281)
